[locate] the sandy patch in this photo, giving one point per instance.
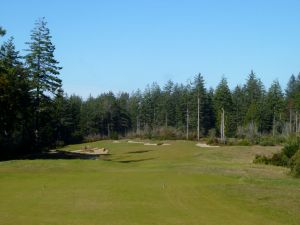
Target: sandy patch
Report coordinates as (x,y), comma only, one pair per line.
(150,144)
(203,145)
(135,142)
(93,151)
(147,143)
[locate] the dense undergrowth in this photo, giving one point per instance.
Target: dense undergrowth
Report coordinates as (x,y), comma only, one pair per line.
(289,156)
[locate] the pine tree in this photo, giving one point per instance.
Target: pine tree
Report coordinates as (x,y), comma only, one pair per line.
(254,93)
(200,109)
(2,32)
(147,110)
(8,54)
(275,107)
(134,108)
(124,120)
(223,101)
(15,99)
(291,87)
(291,92)
(156,96)
(43,67)
(168,104)
(239,108)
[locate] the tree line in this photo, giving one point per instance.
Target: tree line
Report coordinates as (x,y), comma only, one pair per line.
(36,114)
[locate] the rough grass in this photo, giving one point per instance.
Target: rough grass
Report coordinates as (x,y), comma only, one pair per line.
(137,184)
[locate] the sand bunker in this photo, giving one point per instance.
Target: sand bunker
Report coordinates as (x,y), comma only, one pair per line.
(92,151)
(154,144)
(135,142)
(147,143)
(203,145)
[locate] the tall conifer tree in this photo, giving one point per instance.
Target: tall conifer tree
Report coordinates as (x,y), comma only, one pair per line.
(42,66)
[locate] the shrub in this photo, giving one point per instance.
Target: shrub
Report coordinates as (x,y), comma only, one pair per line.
(59,144)
(167,133)
(212,136)
(93,137)
(291,148)
(261,159)
(114,135)
(267,141)
(243,142)
(295,164)
(279,159)
(249,132)
(289,156)
(212,141)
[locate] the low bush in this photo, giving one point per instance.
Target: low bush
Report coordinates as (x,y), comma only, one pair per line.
(114,135)
(291,148)
(261,159)
(272,140)
(279,159)
(243,142)
(295,164)
(212,141)
(267,141)
(93,137)
(289,157)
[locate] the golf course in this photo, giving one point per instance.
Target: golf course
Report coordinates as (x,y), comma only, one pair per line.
(175,183)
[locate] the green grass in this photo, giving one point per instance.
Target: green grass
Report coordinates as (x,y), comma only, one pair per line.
(137,184)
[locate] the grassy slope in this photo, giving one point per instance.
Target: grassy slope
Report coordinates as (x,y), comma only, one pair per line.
(177,184)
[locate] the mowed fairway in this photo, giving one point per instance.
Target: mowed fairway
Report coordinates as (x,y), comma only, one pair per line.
(136,184)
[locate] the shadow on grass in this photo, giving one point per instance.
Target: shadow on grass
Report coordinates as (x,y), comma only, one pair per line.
(129,161)
(64,155)
(137,152)
(59,154)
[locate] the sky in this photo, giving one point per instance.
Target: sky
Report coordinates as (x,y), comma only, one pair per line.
(125,45)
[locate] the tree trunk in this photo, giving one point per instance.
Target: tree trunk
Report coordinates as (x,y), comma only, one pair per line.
(187,123)
(166,119)
(137,125)
(291,121)
(198,124)
(274,123)
(296,122)
(38,100)
(222,127)
(108,130)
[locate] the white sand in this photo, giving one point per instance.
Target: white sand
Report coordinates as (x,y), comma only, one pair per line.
(203,145)
(135,142)
(150,144)
(93,151)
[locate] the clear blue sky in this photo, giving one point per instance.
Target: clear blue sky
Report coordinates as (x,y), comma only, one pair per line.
(124,45)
